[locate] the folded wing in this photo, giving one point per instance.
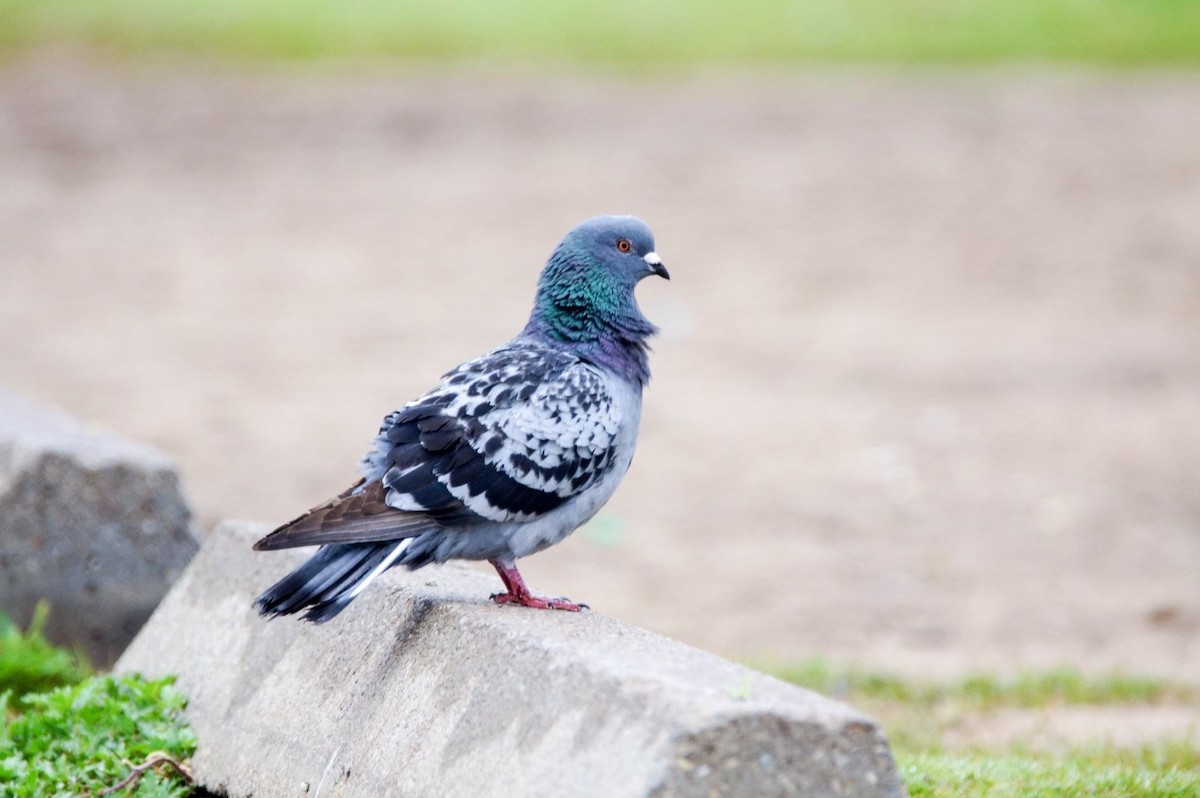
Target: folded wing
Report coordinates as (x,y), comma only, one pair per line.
(508,437)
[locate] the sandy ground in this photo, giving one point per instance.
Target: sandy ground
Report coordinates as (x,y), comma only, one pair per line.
(927,396)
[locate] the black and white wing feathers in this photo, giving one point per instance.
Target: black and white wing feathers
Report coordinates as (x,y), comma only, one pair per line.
(507,437)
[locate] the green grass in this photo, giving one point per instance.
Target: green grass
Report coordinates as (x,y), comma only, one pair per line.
(29,663)
(918,715)
(1031,690)
(941,775)
(623,34)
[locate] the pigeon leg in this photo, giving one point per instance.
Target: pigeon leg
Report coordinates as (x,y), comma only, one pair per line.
(519,594)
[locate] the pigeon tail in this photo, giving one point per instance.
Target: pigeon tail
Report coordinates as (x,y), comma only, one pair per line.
(329,580)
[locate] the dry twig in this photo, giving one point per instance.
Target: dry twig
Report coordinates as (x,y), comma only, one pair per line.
(152,761)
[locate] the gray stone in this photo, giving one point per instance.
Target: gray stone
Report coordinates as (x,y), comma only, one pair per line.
(93,524)
(423,687)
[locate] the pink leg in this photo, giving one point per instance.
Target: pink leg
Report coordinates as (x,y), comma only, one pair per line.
(518,593)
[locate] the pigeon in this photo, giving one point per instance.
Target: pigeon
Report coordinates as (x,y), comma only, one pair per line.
(509,453)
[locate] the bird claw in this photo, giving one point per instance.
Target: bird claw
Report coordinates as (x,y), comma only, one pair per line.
(538,602)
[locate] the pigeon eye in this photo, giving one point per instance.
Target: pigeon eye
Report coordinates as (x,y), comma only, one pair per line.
(624,245)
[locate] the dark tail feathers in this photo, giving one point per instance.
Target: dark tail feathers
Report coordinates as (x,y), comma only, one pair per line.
(329,581)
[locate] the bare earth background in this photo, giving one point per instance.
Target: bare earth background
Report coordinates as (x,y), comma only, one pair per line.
(927,396)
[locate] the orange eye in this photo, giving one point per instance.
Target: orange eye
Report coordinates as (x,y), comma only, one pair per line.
(624,245)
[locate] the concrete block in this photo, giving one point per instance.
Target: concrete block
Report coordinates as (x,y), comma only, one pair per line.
(423,687)
(93,523)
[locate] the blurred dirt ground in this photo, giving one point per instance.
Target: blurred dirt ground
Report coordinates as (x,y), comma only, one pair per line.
(927,395)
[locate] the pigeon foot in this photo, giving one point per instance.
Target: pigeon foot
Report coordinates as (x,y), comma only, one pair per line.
(520,594)
(538,602)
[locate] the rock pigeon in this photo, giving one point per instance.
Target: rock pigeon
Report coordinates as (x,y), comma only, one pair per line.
(509,454)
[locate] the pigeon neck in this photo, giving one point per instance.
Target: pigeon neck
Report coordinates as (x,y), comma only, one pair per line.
(594,318)
(625,358)
(628,359)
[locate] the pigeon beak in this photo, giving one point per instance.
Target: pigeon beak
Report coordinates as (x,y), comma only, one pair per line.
(656,265)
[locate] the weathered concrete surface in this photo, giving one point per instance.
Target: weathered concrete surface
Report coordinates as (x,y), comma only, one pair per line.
(92,523)
(425,688)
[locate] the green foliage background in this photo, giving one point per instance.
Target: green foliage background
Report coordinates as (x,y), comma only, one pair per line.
(28,662)
(624,34)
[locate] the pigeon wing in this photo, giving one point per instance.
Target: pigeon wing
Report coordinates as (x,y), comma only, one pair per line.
(505,438)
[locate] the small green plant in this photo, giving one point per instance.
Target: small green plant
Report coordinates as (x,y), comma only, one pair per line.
(740,691)
(29,663)
(87,738)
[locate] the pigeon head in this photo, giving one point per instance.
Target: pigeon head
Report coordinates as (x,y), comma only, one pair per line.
(585,297)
